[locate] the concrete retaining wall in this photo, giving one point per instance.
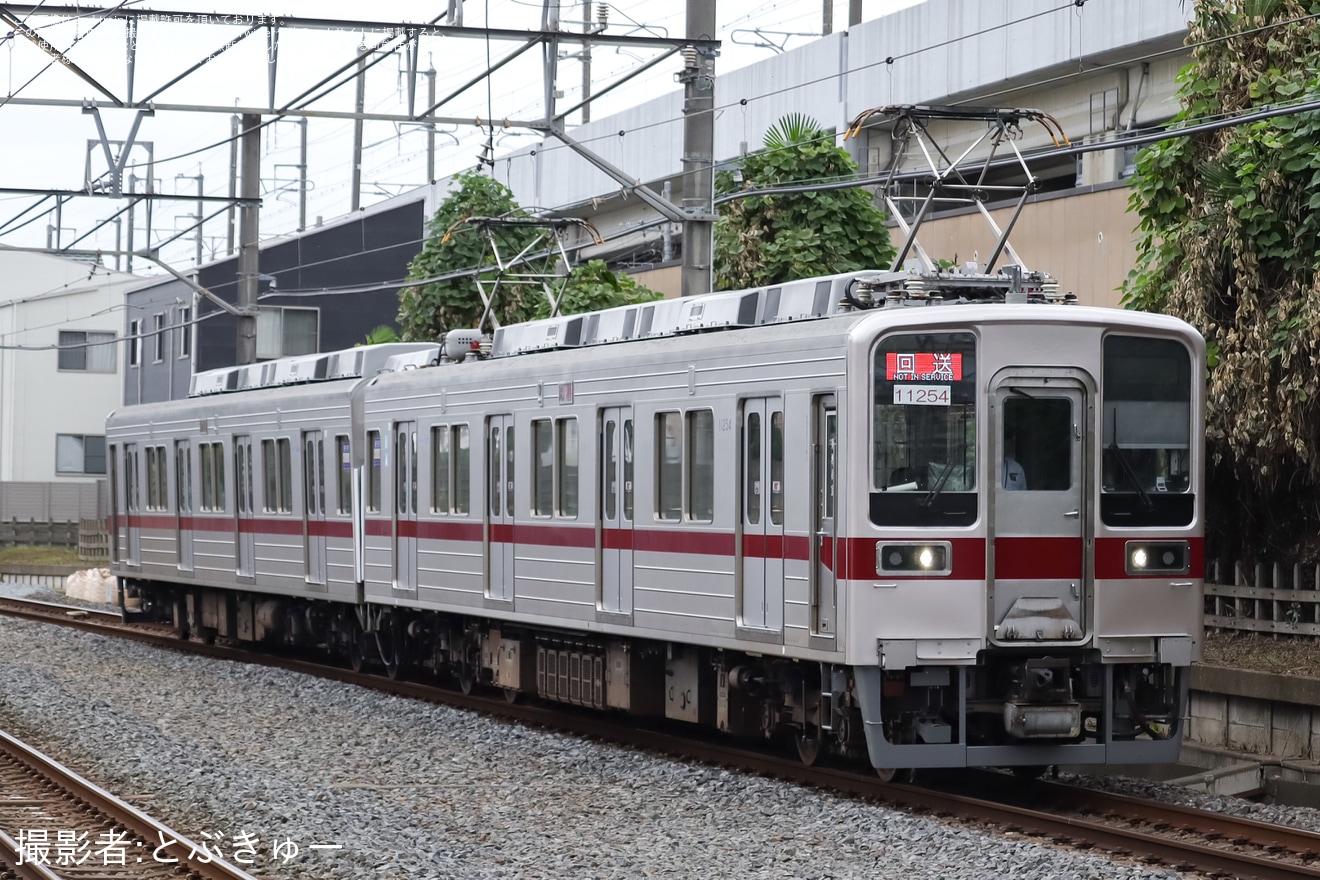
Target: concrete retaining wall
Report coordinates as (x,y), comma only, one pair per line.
(1255,712)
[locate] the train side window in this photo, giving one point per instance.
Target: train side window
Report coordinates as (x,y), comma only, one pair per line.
(130,477)
(373,472)
(271,477)
(543,471)
(156,485)
(462,452)
(566,466)
(440,473)
(344,467)
(213,476)
(701,465)
(286,474)
(182,477)
(669,466)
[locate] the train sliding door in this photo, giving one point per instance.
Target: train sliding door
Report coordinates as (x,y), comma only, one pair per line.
(499,508)
(824,545)
(132,504)
(405,507)
(245,533)
(314,507)
(1037,522)
(762,603)
(616,510)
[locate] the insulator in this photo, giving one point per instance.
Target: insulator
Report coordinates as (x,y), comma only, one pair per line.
(689,56)
(603,13)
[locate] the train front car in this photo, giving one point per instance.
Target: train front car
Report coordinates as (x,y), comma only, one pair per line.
(1024,534)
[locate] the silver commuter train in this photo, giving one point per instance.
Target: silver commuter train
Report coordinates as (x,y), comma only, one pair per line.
(945,519)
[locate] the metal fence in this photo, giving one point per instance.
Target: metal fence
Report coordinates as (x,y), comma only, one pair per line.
(1279,598)
(54,502)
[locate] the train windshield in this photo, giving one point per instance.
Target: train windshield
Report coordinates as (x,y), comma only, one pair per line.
(924,454)
(1147,394)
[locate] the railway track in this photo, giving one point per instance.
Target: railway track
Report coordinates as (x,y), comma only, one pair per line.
(55,825)
(1181,838)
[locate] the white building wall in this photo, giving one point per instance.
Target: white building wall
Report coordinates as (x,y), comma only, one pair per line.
(979,51)
(41,295)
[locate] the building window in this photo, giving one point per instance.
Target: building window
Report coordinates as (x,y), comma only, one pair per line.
(158,337)
(90,352)
(185,331)
(79,454)
(134,342)
(282,332)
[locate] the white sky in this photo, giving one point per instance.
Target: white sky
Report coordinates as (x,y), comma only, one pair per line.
(47,147)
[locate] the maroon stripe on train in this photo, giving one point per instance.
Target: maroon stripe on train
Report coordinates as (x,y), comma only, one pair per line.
(1111,558)
(450,530)
(683,541)
(1038,557)
(617,539)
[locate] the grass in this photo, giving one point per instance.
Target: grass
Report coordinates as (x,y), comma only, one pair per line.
(32,555)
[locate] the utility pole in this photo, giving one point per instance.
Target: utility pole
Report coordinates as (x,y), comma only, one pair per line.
(698,78)
(430,126)
(302,174)
(248,219)
(854,12)
(586,63)
(233,179)
(827,18)
(356,201)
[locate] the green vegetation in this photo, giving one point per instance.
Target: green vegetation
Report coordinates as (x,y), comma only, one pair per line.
(33,555)
(768,239)
(428,310)
(1229,240)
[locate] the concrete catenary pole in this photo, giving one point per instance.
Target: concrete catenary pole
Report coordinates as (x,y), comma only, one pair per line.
(359,104)
(698,146)
(248,229)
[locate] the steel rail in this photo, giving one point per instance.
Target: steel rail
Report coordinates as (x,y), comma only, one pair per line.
(1134,829)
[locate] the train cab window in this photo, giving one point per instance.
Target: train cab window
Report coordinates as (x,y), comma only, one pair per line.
(373,471)
(344,468)
(1146,471)
(924,430)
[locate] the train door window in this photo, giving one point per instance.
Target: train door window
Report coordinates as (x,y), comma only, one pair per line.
(752,479)
(440,473)
(496,477)
(460,444)
(373,472)
(406,470)
(1146,394)
(344,467)
(310,477)
(1037,443)
(131,477)
(701,465)
(241,471)
(628,469)
(543,467)
(282,446)
(272,478)
(610,466)
(777,467)
(566,466)
(153,479)
(508,471)
(182,477)
(924,430)
(669,466)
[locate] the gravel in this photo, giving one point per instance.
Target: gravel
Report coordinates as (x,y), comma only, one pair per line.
(415,791)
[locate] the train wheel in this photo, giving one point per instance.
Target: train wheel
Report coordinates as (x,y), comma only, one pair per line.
(467,677)
(893,774)
(355,658)
(808,749)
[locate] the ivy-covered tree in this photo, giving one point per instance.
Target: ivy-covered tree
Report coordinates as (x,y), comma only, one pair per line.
(1229,240)
(427,310)
(769,239)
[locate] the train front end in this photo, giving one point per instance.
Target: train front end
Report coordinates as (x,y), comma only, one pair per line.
(1029,492)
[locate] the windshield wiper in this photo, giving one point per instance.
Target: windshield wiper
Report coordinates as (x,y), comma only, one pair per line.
(935,490)
(1126,467)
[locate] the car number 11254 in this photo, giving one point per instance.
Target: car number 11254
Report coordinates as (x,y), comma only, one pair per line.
(921,395)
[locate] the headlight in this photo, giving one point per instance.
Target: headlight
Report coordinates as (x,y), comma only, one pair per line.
(1158,557)
(914,558)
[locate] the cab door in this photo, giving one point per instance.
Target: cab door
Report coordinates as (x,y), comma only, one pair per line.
(1038,517)
(825,554)
(405,506)
(762,548)
(313,462)
(499,508)
(616,510)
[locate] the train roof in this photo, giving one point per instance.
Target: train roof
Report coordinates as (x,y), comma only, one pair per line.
(807,299)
